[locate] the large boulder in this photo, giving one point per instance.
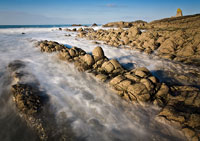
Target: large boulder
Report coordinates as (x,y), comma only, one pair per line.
(98,53)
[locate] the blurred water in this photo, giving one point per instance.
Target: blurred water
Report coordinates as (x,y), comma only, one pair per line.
(94,112)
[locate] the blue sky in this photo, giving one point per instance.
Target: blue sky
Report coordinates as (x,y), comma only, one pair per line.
(90,11)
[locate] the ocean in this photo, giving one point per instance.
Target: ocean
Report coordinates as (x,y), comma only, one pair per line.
(38,26)
(95,112)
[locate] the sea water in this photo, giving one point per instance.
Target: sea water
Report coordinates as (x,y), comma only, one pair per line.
(95,112)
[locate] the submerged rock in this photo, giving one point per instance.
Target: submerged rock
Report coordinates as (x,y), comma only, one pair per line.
(32,104)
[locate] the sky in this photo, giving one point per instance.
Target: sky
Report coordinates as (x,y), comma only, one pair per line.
(30,12)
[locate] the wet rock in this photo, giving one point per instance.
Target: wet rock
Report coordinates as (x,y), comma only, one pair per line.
(80,30)
(15,65)
(28,100)
(101,77)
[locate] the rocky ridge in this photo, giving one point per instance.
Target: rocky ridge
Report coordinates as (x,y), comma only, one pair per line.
(179,104)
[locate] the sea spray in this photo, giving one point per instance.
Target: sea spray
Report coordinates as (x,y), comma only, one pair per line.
(77,98)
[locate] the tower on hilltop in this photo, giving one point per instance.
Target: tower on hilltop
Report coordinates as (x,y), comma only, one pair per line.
(179,12)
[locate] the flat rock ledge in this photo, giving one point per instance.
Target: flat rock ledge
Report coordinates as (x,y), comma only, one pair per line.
(179,105)
(32,105)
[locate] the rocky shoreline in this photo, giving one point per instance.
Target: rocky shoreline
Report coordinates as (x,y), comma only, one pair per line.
(175,38)
(179,104)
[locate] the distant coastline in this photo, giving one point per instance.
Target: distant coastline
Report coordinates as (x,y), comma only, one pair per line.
(38,26)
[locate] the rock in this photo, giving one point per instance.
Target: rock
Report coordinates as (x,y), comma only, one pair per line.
(116,80)
(125,40)
(72,52)
(115,63)
(153,79)
(134,31)
(98,53)
(94,24)
(15,65)
(124,84)
(163,91)
(188,132)
(27,98)
(132,77)
(186,51)
(80,30)
(101,77)
(140,73)
(88,59)
(108,66)
(76,25)
(139,91)
(95,42)
(194,121)
(147,83)
(167,47)
(68,35)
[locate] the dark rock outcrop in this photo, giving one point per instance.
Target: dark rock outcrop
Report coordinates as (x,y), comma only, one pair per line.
(94,24)
(33,106)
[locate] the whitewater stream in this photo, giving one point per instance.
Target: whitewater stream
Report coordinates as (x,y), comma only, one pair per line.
(95,113)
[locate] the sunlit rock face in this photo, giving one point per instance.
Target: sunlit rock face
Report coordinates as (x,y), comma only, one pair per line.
(179,12)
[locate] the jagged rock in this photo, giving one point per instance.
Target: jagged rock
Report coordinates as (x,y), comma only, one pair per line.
(186,51)
(167,47)
(134,31)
